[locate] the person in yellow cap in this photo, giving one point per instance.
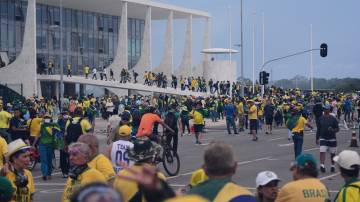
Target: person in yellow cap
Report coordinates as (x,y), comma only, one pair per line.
(117,151)
(98,161)
(16,171)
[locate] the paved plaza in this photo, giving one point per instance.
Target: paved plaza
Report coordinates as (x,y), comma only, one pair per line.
(272,152)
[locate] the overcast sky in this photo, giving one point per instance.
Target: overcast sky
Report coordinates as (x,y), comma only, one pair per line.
(287,30)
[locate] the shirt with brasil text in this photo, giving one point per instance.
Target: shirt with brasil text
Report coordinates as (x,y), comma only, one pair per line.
(304,190)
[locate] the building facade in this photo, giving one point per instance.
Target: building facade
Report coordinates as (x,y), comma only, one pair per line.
(110,33)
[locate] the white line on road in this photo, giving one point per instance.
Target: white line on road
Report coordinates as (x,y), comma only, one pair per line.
(330,176)
(37,177)
(50,184)
(285,145)
(311,149)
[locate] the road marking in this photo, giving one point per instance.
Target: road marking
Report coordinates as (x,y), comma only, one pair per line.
(330,176)
(285,145)
(37,177)
(239,163)
(281,138)
(311,149)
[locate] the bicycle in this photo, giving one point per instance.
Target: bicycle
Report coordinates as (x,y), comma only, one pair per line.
(169,159)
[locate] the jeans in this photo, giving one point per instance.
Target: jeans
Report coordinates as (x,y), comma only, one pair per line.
(241,122)
(230,122)
(46,155)
(185,123)
(213,115)
(5,134)
(64,162)
(298,139)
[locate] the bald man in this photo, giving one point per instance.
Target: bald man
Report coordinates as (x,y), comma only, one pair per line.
(98,161)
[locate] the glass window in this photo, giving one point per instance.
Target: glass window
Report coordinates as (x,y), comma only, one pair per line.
(3,9)
(3,36)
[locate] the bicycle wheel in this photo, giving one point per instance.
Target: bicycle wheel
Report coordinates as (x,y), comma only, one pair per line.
(171,162)
(32,163)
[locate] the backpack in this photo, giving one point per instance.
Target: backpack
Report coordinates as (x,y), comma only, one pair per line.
(74,130)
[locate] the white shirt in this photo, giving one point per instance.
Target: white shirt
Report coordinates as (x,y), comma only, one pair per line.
(119,153)
(94,71)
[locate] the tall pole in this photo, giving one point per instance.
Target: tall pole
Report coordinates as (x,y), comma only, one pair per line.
(311,61)
(242,52)
(61,59)
(253,55)
(230,36)
(263,49)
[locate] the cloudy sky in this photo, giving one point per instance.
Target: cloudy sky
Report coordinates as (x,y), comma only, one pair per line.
(287,30)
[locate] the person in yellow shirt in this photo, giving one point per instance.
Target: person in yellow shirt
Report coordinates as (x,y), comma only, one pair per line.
(253,118)
(80,173)
(349,163)
(3,151)
(198,121)
(198,177)
(69,70)
(306,186)
(240,109)
(76,126)
(98,161)
(142,154)
(34,125)
(296,124)
(5,123)
(86,71)
(16,171)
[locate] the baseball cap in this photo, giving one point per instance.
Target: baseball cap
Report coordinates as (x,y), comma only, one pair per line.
(265,177)
(347,158)
(124,131)
(303,160)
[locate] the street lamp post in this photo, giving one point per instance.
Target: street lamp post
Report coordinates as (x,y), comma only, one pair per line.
(61,59)
(242,51)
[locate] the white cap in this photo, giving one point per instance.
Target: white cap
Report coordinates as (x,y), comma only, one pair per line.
(265,177)
(347,158)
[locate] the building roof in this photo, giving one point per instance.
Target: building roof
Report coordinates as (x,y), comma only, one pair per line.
(136,8)
(219,51)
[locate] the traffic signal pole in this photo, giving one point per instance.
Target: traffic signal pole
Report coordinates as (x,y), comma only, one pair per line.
(323,52)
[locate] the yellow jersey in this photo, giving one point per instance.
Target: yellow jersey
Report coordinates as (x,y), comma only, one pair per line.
(253,112)
(300,125)
(103,165)
(89,176)
(198,177)
(198,117)
(304,190)
(240,108)
(3,151)
(349,192)
(23,194)
(128,189)
(85,124)
(5,119)
(34,126)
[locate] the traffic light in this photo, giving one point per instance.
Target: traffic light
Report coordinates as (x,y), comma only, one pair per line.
(264,78)
(323,49)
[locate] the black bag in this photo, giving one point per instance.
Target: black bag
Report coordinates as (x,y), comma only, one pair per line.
(74,130)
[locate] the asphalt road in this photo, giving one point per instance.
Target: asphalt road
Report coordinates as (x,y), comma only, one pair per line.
(272,152)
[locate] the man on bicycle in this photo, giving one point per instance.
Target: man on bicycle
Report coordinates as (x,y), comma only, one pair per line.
(145,130)
(147,123)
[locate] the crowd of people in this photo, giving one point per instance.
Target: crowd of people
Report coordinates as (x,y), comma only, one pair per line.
(126,171)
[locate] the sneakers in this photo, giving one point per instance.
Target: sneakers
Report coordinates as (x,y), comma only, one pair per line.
(332,169)
(322,168)
(198,142)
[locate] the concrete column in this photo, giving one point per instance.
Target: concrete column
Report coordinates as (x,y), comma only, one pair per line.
(57,89)
(144,63)
(185,68)
(121,58)
(23,69)
(206,44)
(166,64)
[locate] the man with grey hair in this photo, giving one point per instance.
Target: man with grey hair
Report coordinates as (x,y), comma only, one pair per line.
(220,166)
(80,173)
(98,161)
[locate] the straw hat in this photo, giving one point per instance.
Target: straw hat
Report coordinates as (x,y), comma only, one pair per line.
(16,146)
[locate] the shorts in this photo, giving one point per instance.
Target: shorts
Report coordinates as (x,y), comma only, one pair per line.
(253,124)
(198,128)
(324,149)
(328,145)
(269,120)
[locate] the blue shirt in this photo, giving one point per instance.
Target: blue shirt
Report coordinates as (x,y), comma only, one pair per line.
(230,110)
